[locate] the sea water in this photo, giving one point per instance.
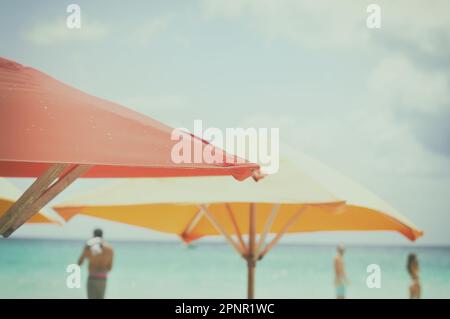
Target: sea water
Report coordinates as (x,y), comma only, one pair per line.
(37,269)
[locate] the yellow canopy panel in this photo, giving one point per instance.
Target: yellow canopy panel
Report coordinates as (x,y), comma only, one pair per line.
(190,222)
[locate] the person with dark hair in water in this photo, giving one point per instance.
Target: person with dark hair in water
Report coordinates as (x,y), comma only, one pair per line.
(100,256)
(412,266)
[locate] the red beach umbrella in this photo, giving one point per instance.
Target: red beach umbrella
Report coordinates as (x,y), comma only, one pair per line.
(56,133)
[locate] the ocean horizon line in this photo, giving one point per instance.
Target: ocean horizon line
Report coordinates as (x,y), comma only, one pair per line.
(217,242)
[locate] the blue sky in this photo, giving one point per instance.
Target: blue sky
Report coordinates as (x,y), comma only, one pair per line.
(372,103)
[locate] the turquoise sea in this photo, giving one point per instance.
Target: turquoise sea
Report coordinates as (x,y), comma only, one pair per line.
(37,269)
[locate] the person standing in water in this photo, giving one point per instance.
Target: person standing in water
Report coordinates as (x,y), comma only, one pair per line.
(412,266)
(339,270)
(100,256)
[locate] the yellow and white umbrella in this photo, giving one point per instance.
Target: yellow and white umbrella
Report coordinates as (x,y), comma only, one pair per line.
(303,196)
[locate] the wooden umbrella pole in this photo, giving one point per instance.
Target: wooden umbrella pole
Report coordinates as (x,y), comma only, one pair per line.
(267,227)
(222,230)
(43,190)
(236,227)
(286,227)
(30,195)
(251,265)
(193,222)
(251,257)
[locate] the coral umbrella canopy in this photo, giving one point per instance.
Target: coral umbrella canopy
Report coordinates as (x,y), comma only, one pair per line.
(57,133)
(43,121)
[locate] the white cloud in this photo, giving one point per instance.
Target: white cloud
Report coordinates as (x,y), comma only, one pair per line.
(315,24)
(363,143)
(57,32)
(320,24)
(422,24)
(398,83)
(403,80)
